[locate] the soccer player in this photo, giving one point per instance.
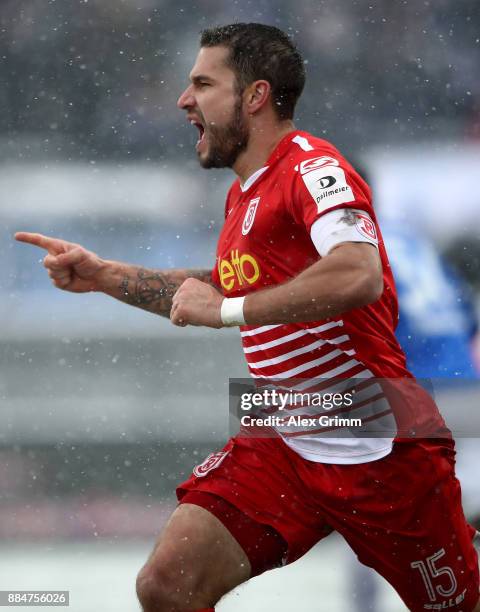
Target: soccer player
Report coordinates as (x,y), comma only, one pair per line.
(302,270)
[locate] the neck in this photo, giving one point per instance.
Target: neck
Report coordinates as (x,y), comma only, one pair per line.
(262,142)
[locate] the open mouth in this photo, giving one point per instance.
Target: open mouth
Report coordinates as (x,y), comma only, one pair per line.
(201,131)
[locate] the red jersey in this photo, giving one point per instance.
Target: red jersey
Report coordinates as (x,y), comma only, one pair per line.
(266,241)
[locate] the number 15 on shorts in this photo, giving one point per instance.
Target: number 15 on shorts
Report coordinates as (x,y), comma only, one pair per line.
(431,573)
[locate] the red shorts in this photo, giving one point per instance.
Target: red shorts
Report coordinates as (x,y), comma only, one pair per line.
(402,514)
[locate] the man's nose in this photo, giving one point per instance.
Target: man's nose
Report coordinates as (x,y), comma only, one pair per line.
(186,100)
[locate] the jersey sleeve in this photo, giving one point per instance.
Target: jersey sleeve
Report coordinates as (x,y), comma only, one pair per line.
(342,225)
(323,183)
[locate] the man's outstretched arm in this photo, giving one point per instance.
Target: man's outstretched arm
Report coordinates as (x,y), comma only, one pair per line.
(73,268)
(152,290)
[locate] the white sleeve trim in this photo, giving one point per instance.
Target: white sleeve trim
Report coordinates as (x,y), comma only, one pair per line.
(342,225)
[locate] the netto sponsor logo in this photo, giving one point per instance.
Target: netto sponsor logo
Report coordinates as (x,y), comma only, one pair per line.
(240,269)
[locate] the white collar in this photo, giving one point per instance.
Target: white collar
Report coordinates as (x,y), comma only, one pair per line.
(252,178)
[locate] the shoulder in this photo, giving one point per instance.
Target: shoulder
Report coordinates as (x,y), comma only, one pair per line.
(314,157)
(305,146)
(316,167)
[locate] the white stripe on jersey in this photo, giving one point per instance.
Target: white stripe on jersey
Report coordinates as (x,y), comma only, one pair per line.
(284,356)
(300,351)
(310,330)
(325,327)
(289,338)
(259,330)
(276,342)
(340,385)
(304,366)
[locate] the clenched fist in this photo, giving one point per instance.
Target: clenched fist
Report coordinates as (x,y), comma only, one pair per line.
(69,265)
(196,303)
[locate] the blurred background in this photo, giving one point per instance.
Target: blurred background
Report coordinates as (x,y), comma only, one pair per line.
(105,408)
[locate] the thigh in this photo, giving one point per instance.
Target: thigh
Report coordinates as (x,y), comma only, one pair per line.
(188,554)
(260,478)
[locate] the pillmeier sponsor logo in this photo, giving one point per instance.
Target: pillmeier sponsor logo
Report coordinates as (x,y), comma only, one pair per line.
(326,182)
(330,192)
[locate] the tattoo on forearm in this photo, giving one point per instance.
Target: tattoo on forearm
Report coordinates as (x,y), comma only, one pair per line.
(154,291)
(148,287)
(149,290)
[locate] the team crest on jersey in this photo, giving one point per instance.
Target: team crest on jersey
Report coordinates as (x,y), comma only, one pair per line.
(210,463)
(366,227)
(250,216)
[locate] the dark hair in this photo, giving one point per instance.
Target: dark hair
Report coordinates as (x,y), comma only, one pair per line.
(259,51)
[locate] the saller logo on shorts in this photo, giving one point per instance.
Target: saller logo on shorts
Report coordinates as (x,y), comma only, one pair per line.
(238,271)
(326,182)
(211,462)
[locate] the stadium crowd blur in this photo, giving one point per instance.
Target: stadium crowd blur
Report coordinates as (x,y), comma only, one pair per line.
(95,82)
(97,79)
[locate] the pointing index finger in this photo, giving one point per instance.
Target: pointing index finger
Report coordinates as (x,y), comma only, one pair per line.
(52,245)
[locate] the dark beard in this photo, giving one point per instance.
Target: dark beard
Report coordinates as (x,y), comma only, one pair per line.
(226,143)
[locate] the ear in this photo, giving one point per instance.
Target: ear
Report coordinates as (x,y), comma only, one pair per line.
(257,95)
